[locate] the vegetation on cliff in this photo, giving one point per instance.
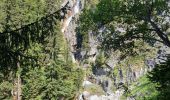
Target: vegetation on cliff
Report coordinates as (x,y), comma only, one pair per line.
(35,60)
(136,29)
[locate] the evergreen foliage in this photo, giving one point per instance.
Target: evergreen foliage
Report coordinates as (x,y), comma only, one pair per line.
(143,89)
(100,60)
(126,21)
(33,50)
(126,25)
(160,75)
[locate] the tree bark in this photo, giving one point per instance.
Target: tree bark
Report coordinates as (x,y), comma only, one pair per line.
(161,34)
(17,85)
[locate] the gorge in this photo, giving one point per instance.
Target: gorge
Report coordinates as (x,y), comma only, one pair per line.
(84,50)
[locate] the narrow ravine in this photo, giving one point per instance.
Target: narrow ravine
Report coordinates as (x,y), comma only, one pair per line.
(99,85)
(68,28)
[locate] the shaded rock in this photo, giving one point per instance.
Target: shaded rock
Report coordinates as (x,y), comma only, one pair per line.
(100,71)
(107,84)
(120,75)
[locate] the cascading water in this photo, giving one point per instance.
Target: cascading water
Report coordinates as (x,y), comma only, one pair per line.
(73,11)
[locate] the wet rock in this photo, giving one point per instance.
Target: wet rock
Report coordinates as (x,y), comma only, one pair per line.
(94,97)
(86,83)
(85,95)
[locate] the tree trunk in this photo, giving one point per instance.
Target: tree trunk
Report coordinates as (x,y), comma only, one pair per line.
(17,85)
(161,34)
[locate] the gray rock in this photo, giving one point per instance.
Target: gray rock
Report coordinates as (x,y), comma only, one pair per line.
(86,83)
(85,95)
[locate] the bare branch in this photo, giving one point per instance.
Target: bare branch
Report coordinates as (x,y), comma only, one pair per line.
(55,14)
(161,34)
(149,38)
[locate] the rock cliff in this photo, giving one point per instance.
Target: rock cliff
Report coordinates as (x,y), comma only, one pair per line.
(111,79)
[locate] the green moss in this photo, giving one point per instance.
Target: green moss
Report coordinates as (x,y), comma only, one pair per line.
(113,88)
(95,89)
(115,70)
(123,97)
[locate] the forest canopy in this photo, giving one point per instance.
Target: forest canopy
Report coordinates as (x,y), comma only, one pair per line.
(121,22)
(34,59)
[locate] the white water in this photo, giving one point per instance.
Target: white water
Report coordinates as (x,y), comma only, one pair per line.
(66,23)
(74,10)
(76,7)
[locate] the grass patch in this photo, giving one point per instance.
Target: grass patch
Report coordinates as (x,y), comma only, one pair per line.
(95,89)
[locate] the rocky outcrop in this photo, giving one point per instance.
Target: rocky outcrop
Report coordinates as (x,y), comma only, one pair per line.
(102,76)
(69,25)
(114,96)
(162,52)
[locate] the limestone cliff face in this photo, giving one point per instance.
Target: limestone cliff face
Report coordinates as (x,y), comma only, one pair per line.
(68,27)
(101,83)
(99,76)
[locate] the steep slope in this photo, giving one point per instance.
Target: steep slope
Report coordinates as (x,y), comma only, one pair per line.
(109,75)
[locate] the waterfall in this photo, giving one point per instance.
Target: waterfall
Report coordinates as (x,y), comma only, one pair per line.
(74,10)
(66,24)
(77,7)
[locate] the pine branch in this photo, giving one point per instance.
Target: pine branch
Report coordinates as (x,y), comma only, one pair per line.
(52,15)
